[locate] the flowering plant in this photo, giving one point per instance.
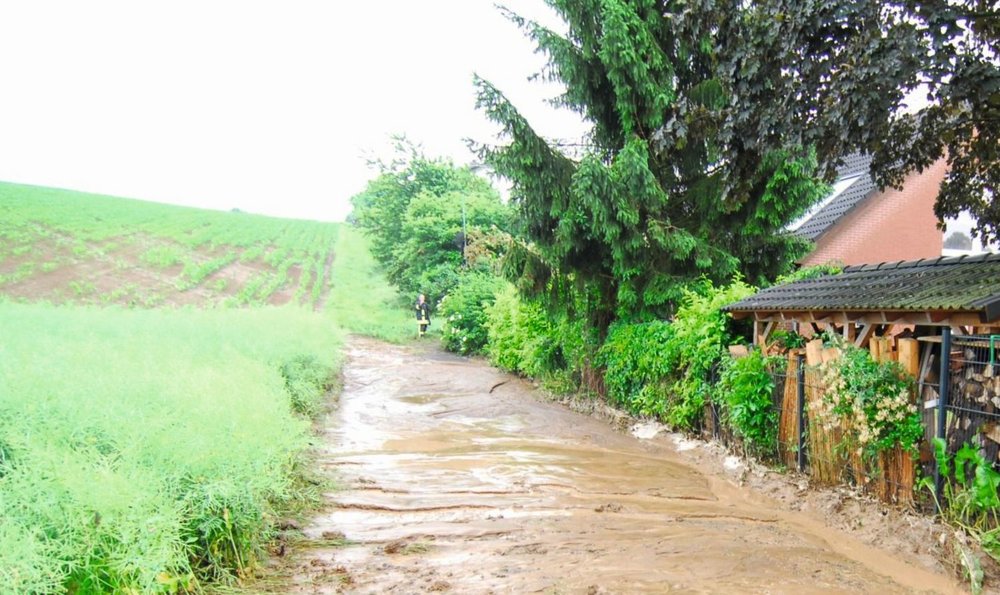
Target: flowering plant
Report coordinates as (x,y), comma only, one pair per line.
(869,401)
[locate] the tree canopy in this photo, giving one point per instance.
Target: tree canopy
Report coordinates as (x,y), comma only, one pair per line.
(413,213)
(664,193)
(837,75)
(714,122)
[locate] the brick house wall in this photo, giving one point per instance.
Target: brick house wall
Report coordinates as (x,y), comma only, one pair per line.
(888,226)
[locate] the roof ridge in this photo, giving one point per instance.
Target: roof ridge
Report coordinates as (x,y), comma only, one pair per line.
(923,262)
(966,283)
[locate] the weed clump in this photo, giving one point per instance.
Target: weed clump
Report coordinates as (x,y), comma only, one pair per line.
(307,381)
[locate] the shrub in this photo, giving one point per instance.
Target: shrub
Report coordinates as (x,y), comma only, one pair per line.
(745,392)
(871,400)
(661,369)
(969,499)
(463,312)
(635,370)
(700,334)
(517,331)
(526,339)
(505,341)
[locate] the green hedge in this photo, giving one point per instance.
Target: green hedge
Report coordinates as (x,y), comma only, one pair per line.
(463,312)
(662,369)
(636,372)
(745,397)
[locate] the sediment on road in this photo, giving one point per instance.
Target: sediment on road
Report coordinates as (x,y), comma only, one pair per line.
(459,478)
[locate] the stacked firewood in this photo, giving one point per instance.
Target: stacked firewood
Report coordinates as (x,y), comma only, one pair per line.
(974,403)
(979,382)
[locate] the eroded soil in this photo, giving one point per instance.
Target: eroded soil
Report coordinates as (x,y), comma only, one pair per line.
(457,478)
(62,269)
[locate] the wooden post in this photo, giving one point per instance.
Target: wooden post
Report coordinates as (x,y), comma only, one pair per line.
(909,356)
(814,352)
(800,385)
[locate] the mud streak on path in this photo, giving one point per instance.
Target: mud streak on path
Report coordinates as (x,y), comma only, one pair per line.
(450,488)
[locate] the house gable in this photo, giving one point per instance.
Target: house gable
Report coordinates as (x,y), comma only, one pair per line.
(891,225)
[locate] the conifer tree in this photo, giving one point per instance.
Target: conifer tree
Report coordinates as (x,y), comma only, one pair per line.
(662,194)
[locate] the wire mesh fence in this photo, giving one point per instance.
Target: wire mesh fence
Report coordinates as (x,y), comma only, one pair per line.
(957,395)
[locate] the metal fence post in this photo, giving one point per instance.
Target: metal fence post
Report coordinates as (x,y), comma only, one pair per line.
(801,387)
(944,382)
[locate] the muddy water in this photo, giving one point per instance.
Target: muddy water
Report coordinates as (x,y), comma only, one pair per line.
(455,482)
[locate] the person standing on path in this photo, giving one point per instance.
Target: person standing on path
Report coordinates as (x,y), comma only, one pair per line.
(423,315)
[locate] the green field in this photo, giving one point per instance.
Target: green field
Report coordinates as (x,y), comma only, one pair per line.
(149,449)
(85,248)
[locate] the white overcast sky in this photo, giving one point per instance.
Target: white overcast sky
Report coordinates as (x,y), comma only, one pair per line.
(265,106)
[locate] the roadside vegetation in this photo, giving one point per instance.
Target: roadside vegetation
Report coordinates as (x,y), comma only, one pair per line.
(152,449)
(149,450)
(361,300)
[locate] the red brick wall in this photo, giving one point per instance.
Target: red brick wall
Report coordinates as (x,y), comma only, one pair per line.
(889,226)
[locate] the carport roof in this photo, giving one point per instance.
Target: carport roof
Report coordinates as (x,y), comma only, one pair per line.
(962,284)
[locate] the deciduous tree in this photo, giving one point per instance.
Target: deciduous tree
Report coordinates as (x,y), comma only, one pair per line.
(413,212)
(909,81)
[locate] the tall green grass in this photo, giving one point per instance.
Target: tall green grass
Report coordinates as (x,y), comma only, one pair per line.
(360,299)
(145,450)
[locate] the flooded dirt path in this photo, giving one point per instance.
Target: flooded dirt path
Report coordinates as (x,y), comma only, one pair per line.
(457,478)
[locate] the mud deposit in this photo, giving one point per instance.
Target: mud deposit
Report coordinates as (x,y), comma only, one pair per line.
(450,487)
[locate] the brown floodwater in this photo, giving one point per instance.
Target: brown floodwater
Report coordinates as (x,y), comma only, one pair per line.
(458,478)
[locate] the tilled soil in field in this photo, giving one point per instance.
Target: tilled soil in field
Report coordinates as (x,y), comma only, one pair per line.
(118,275)
(458,478)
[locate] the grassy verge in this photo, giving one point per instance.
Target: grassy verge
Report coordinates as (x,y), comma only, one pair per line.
(360,299)
(148,450)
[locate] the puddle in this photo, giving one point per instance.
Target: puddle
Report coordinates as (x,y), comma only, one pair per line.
(422,399)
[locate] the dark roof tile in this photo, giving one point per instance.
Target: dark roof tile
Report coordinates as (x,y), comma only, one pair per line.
(967,283)
(855,164)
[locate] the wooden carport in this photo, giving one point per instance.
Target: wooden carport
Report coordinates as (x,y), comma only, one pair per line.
(962,293)
(958,385)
